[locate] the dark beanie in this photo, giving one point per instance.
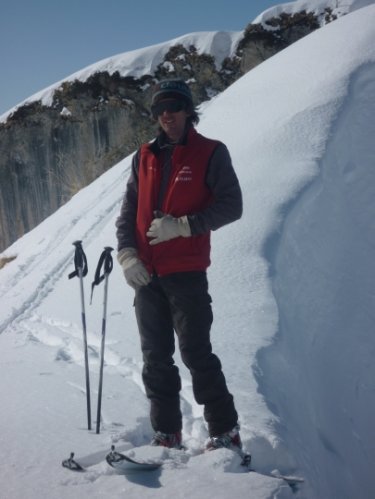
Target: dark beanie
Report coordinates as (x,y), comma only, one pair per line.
(171,88)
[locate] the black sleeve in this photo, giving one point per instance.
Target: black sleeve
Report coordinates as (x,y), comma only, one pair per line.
(226,207)
(125,223)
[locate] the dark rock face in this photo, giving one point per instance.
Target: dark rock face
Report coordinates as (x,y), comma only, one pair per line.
(261,42)
(50,153)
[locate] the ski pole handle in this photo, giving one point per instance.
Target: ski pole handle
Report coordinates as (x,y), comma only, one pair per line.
(80,261)
(105,261)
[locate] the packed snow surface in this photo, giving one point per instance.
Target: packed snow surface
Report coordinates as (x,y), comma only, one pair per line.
(293,299)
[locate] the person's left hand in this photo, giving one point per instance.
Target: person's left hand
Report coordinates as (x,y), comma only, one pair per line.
(168,227)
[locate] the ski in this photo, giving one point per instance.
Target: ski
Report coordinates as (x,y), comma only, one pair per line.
(124,464)
(72,464)
(291,480)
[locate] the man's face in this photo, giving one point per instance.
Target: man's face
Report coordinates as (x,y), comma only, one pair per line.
(172,115)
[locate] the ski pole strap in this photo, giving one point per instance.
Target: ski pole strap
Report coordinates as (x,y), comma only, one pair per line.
(80,261)
(105,261)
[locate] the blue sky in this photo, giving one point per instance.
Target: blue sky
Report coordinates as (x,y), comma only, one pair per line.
(43,41)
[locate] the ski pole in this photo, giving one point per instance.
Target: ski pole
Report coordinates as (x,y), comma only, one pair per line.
(80,264)
(105,261)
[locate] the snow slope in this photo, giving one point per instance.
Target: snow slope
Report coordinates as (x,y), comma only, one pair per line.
(292,286)
(324,285)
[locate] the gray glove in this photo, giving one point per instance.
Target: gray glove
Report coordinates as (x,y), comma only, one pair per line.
(135,272)
(168,227)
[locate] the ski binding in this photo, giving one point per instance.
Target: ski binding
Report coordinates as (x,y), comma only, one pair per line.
(71,464)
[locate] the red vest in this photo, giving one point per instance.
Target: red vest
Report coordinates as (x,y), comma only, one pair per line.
(186,194)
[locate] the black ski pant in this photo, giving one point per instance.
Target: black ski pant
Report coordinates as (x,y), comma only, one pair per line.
(180,303)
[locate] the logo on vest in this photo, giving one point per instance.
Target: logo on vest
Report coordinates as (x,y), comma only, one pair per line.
(184,175)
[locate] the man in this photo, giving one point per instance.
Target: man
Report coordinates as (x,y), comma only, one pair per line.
(182,186)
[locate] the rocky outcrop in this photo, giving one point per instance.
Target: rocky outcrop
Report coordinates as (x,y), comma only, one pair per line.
(49,153)
(261,41)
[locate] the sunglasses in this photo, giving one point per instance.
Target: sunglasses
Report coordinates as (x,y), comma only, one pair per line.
(171,106)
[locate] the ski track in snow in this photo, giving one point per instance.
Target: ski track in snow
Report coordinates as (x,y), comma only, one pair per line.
(54,271)
(65,341)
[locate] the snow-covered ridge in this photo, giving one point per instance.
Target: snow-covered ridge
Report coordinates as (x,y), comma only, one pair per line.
(220,44)
(338,7)
(144,61)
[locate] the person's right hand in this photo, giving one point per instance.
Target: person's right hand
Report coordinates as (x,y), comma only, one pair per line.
(135,272)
